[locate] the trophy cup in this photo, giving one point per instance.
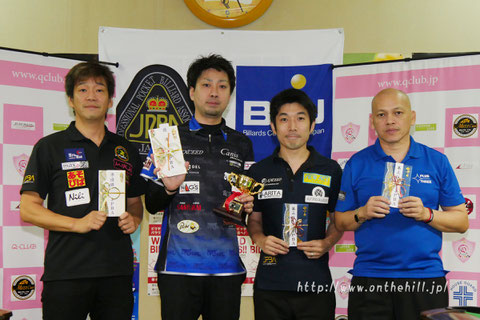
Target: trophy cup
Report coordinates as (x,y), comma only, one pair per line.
(232,210)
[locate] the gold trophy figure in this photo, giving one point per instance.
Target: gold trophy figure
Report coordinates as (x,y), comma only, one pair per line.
(232,210)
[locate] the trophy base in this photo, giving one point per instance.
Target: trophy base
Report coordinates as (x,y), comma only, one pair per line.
(233,217)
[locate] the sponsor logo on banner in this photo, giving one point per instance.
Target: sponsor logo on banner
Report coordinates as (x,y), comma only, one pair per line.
(464,166)
(270,194)
(20,162)
(465,125)
(189,187)
(468,205)
(121,153)
(76,178)
(426,127)
(318,196)
(463,249)
(463,292)
(256,85)
(23,125)
(343,287)
(29,178)
(23,287)
(75,154)
(74,165)
(77,197)
(24,246)
(422,178)
(188,226)
(156,95)
(14,205)
(271,181)
(315,178)
(350,132)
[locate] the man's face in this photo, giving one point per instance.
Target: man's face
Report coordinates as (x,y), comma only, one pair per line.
(292,126)
(90,99)
(392,118)
(210,95)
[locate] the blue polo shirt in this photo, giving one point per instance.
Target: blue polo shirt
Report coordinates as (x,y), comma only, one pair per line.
(397,246)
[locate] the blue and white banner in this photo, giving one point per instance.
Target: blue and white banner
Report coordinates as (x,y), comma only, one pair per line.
(257,86)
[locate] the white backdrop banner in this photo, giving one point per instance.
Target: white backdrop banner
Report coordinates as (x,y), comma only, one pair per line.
(136,49)
(445,94)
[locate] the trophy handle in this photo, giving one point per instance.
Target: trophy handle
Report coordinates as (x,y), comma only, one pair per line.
(230,175)
(257,184)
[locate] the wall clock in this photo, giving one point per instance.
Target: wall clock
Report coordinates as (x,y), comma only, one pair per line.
(228,13)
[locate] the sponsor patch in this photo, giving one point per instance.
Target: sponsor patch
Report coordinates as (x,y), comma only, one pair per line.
(76,179)
(465,125)
(189,187)
(271,181)
(192,152)
(75,154)
(189,207)
(121,153)
(74,165)
(23,287)
(270,194)
(342,195)
(77,197)
(29,178)
(422,178)
(188,226)
(269,260)
(233,163)
(318,196)
(120,165)
(315,178)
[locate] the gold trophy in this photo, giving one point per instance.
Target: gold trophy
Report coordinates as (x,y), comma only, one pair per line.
(232,210)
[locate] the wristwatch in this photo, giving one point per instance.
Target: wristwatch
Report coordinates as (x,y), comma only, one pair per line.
(357,218)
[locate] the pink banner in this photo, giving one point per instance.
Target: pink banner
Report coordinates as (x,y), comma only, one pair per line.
(32,76)
(422,80)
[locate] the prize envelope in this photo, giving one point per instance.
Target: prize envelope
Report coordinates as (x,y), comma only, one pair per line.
(167,150)
(111,195)
(295,223)
(396,182)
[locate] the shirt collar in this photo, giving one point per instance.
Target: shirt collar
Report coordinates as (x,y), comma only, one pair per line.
(413,151)
(197,127)
(307,164)
(76,135)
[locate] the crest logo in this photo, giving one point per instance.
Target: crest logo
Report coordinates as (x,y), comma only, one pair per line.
(20,162)
(343,287)
(350,132)
(157,104)
(463,249)
(121,153)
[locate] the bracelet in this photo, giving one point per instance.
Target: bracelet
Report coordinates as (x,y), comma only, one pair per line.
(431,216)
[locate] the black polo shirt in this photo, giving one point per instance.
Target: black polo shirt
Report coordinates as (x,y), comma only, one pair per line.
(64,166)
(314,186)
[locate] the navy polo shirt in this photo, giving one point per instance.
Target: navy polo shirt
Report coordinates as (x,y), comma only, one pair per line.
(397,246)
(315,184)
(64,166)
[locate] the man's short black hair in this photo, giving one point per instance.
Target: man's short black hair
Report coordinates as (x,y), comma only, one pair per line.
(213,61)
(86,70)
(291,96)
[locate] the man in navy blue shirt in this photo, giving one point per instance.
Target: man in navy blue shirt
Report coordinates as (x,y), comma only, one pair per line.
(289,219)
(390,196)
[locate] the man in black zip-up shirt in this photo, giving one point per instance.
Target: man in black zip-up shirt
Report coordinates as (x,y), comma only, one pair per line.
(199,269)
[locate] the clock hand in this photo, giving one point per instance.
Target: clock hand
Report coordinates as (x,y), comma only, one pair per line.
(225,3)
(240,5)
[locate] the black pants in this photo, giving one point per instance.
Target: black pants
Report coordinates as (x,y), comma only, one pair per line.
(188,297)
(395,299)
(289,305)
(108,298)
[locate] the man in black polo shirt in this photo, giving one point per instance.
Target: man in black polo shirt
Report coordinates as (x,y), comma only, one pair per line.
(89,258)
(289,217)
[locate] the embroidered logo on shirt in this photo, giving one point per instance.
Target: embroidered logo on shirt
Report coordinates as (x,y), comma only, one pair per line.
(318,196)
(75,154)
(29,178)
(74,165)
(189,187)
(121,153)
(315,178)
(76,179)
(422,178)
(270,194)
(188,226)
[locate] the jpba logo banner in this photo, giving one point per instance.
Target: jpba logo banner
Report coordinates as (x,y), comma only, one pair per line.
(256,86)
(156,95)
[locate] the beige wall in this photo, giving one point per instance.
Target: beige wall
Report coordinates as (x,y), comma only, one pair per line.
(405,26)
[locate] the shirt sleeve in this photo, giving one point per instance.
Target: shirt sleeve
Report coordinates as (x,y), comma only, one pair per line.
(37,173)
(335,187)
(450,192)
(346,196)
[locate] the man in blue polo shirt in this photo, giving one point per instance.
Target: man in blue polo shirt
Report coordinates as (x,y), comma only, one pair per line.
(289,217)
(390,196)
